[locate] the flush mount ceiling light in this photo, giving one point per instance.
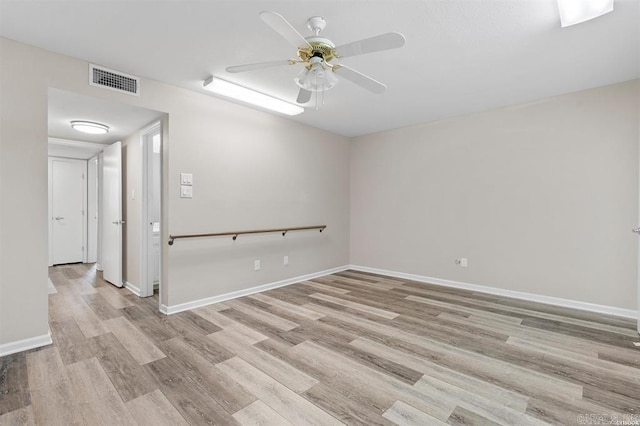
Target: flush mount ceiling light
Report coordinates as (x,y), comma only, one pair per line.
(90,127)
(231,90)
(577,11)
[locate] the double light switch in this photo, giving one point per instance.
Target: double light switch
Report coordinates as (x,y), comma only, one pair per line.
(186,185)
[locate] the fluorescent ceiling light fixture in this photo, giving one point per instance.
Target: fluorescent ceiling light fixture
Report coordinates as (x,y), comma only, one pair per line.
(577,11)
(90,127)
(231,90)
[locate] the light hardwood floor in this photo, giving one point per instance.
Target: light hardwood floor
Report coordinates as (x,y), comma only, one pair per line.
(350,348)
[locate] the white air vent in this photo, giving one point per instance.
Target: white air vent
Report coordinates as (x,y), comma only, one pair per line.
(113,80)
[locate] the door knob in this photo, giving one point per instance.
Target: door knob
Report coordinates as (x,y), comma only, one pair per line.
(637,230)
(58,218)
(118,222)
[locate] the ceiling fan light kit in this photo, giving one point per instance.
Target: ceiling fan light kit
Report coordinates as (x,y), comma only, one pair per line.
(577,11)
(316,54)
(317,77)
(243,94)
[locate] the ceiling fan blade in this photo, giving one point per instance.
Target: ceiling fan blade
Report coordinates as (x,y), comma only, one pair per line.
(368,45)
(304,96)
(360,79)
(284,28)
(259,65)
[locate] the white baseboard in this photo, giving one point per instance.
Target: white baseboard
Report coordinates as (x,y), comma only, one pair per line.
(549,300)
(132,288)
(25,344)
(173,309)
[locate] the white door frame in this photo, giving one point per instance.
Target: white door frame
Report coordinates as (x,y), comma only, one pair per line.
(84,205)
(146,230)
(637,231)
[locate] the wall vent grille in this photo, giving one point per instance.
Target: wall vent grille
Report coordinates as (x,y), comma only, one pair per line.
(114,80)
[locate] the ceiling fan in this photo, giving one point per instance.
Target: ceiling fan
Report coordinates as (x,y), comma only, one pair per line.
(316,54)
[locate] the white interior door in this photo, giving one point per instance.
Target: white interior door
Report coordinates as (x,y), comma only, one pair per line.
(67,210)
(112,214)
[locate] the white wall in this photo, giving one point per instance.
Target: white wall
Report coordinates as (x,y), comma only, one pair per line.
(23,198)
(540,198)
(264,173)
(251,170)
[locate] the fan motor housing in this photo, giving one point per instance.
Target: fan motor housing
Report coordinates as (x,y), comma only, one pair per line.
(321,47)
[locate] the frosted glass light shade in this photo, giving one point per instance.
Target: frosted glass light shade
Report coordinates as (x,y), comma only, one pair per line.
(577,11)
(316,79)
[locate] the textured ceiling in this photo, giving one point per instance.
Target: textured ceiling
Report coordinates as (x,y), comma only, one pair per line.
(461,56)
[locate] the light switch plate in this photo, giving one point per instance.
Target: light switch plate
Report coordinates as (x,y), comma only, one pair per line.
(186,179)
(186,191)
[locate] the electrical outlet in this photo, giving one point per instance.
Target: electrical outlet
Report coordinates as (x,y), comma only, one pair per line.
(256,265)
(285,262)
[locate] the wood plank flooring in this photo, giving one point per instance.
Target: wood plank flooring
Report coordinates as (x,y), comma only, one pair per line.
(350,348)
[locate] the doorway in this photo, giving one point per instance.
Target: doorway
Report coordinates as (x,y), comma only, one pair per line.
(150,257)
(123,124)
